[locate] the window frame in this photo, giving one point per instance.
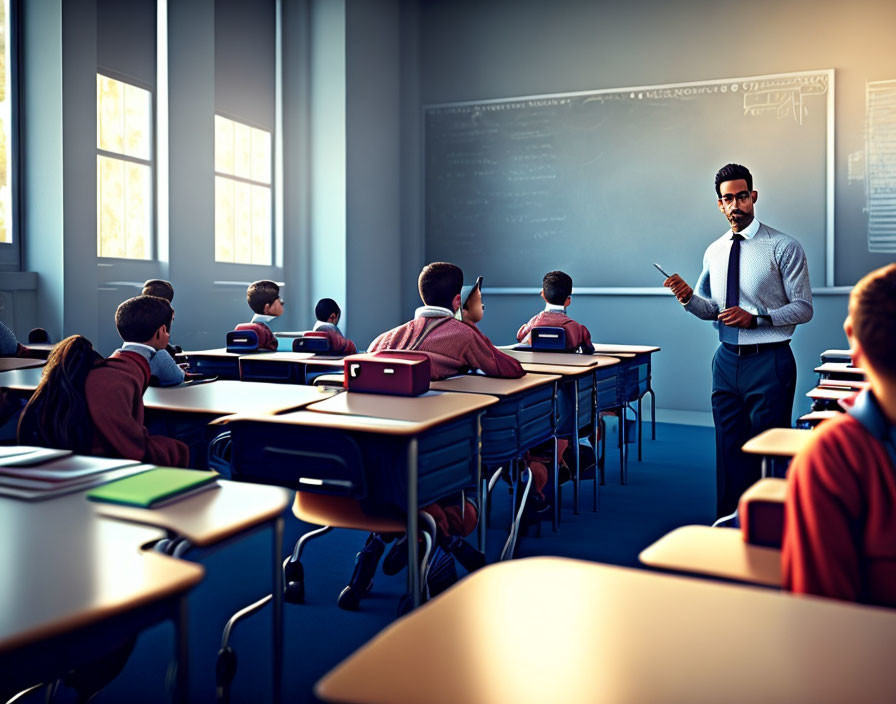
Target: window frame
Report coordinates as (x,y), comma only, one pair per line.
(11,254)
(272,258)
(151,163)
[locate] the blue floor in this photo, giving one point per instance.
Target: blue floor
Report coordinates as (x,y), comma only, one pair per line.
(674,485)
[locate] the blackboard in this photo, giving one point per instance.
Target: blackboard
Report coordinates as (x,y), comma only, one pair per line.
(603,183)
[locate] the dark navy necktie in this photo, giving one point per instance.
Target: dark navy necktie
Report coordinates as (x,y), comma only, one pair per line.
(732,288)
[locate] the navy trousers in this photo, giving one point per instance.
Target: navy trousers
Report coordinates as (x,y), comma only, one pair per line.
(749,394)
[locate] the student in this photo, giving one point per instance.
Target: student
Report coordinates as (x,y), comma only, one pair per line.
(472,308)
(840,526)
(163,369)
(453,347)
(556,290)
(9,345)
(95,406)
(266,304)
(328,313)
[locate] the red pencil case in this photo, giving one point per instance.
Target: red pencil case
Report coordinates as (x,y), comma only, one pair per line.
(388,372)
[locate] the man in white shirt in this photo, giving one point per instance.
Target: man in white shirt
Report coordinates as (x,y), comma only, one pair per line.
(755,288)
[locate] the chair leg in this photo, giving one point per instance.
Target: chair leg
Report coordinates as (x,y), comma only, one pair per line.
(294,572)
(652,413)
(225,664)
(639,428)
(621,432)
(510,544)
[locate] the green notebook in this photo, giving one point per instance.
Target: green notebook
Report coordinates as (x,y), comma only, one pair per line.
(153,487)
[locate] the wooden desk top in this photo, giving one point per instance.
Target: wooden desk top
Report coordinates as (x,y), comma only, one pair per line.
(564,370)
(478,384)
(608,348)
(855,384)
(619,635)
(778,442)
(827,393)
(840,368)
(224,397)
(816,417)
(21,379)
(10,363)
(210,516)
(567,359)
(65,567)
(217,352)
(280,356)
(717,552)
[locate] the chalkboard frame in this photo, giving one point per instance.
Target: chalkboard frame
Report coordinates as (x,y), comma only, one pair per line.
(830,118)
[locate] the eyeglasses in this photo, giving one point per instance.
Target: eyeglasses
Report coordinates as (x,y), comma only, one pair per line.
(741,197)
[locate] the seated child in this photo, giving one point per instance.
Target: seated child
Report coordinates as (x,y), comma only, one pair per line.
(839,523)
(453,347)
(328,313)
(266,304)
(95,406)
(472,308)
(556,290)
(9,345)
(164,371)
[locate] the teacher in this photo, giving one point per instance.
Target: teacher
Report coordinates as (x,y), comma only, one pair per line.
(755,288)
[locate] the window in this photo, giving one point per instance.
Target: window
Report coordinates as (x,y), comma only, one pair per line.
(6,199)
(243,194)
(123,169)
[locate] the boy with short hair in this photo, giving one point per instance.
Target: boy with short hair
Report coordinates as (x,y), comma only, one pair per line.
(163,369)
(472,309)
(328,313)
(556,290)
(264,300)
(111,390)
(840,526)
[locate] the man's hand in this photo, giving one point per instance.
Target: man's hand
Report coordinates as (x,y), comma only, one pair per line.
(679,287)
(736,317)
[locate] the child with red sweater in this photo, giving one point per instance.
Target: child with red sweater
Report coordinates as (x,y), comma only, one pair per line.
(264,300)
(327,312)
(840,526)
(556,290)
(95,406)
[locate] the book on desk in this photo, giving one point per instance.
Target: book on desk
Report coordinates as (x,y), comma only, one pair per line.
(155,487)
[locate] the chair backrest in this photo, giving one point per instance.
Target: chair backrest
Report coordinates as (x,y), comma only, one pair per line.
(316,342)
(548,338)
(242,341)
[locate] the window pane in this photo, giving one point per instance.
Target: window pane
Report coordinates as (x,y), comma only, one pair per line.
(242,223)
(110,207)
(242,148)
(5,133)
(137,121)
(261,225)
(109,114)
(138,210)
(261,156)
(223,145)
(223,219)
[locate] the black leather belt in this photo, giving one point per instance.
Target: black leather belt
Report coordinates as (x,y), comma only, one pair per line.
(750,350)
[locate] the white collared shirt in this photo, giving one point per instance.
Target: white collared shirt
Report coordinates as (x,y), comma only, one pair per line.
(259,318)
(553,308)
(774,281)
(433,312)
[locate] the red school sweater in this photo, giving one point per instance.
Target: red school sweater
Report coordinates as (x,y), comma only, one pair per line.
(577,335)
(114,391)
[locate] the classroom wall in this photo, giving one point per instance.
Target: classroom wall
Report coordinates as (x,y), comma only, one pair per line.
(472,51)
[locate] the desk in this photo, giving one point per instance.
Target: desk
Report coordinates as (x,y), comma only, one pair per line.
(777,442)
(215,362)
(620,635)
(21,380)
(523,418)
(212,517)
(716,552)
(825,398)
(810,420)
(224,397)
(837,356)
(567,359)
(75,581)
(10,363)
(286,367)
(839,370)
(415,449)
(40,350)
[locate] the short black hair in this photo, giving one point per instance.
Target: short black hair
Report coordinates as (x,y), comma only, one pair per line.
(557,287)
(262,293)
(872,307)
(325,308)
(733,172)
(138,318)
(160,288)
(439,283)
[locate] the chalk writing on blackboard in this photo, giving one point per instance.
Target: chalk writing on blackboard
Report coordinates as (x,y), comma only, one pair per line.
(880,164)
(783,97)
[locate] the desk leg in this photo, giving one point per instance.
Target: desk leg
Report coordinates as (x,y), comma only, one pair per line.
(621,433)
(594,439)
(575,446)
(640,434)
(277,603)
(556,467)
(413,556)
(481,486)
(181,653)
(652,396)
(765,469)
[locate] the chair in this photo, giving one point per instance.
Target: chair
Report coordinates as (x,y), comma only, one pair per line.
(242,341)
(548,338)
(316,342)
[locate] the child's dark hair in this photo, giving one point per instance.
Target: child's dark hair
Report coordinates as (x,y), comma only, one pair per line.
(262,293)
(557,287)
(733,172)
(160,288)
(439,283)
(325,308)
(872,307)
(57,414)
(138,318)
